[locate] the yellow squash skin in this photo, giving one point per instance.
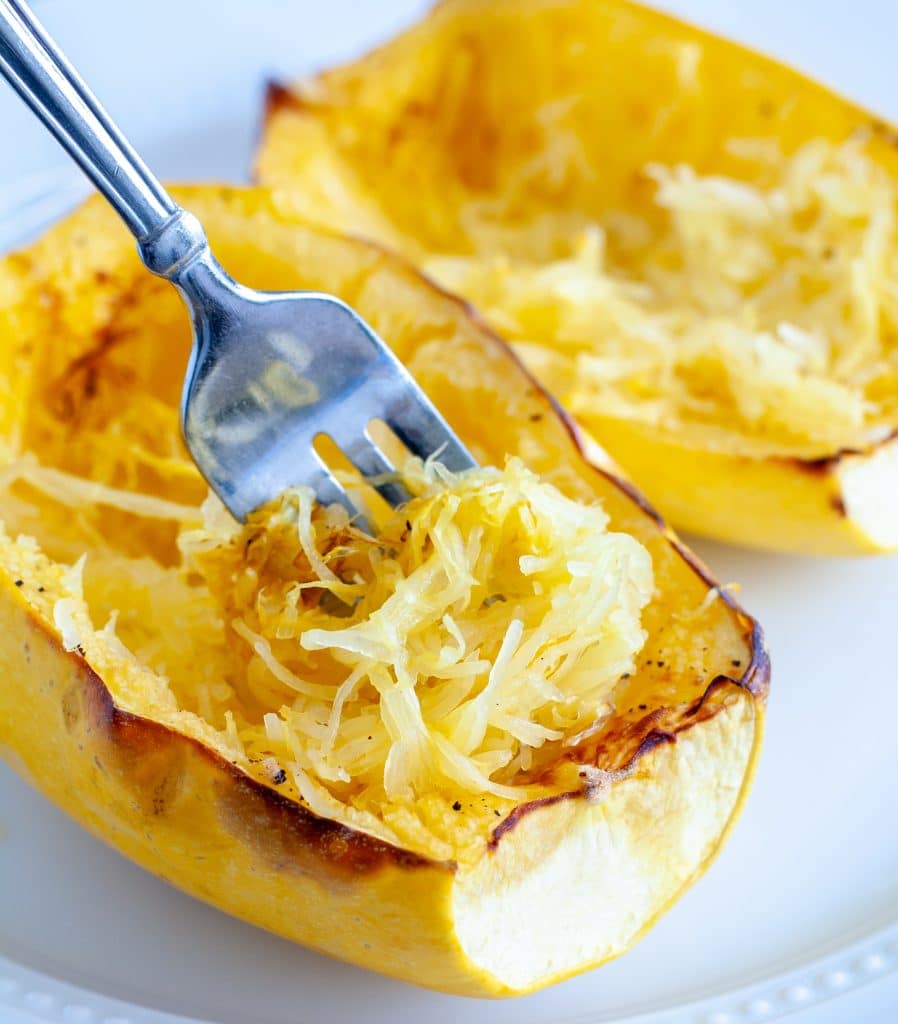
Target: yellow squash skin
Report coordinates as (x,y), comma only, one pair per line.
(843,504)
(445,111)
(585,872)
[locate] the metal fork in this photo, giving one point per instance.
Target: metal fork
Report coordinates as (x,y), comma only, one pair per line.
(270,371)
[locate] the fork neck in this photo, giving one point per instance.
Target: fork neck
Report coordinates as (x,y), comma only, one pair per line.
(178,250)
(171,247)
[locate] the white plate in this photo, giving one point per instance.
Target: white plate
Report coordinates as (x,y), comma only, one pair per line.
(802,906)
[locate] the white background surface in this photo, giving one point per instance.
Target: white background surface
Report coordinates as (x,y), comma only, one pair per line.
(813,864)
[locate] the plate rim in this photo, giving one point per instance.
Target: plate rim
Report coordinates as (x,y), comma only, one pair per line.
(36,996)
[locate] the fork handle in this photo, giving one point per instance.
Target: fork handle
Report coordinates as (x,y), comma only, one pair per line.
(168,237)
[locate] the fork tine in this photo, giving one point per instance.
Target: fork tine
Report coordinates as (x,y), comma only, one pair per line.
(371,462)
(329,491)
(422,429)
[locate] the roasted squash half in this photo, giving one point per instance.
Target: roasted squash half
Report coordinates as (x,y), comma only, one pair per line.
(692,246)
(127,693)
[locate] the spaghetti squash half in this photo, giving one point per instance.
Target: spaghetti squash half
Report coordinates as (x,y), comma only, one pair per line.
(694,248)
(519,702)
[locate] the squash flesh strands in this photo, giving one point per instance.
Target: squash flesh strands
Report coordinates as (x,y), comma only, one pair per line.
(442,662)
(765,307)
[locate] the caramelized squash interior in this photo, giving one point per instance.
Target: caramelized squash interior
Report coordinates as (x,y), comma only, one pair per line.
(668,235)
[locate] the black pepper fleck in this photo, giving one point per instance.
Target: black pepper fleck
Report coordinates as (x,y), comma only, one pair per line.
(456,806)
(20,583)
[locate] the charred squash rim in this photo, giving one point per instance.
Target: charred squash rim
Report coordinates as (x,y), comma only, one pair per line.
(828,465)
